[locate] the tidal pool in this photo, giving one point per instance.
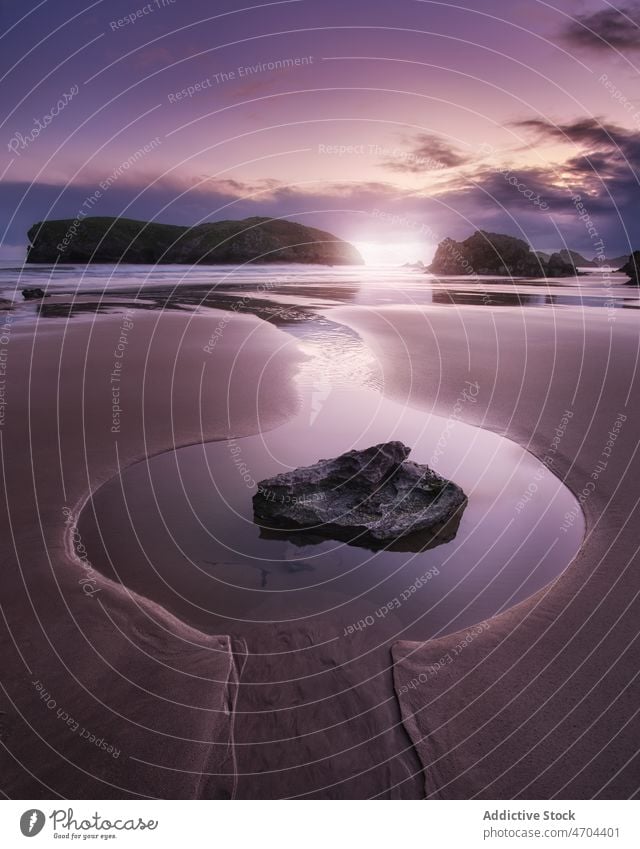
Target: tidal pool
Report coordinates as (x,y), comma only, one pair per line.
(178,528)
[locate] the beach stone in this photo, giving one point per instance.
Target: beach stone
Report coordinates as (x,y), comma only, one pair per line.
(33,294)
(369,498)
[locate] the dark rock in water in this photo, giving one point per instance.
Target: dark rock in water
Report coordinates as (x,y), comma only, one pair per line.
(497,255)
(259,240)
(375,498)
(559,267)
(632,268)
(34,294)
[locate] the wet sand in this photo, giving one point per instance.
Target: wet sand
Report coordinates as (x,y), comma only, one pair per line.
(543,702)
(85,661)
(476,727)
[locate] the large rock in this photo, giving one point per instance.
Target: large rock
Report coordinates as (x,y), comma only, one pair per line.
(559,267)
(373,498)
(495,254)
(632,268)
(115,240)
(34,294)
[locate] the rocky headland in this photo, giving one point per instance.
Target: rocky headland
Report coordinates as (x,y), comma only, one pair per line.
(113,240)
(496,254)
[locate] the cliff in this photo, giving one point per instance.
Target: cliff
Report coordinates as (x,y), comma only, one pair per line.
(496,254)
(112,240)
(632,268)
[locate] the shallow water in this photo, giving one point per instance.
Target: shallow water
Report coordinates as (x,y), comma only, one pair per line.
(82,290)
(179,528)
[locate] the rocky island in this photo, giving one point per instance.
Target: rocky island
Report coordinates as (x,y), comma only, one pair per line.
(496,254)
(112,240)
(372,498)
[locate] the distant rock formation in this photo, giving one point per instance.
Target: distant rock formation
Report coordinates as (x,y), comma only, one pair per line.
(614,262)
(579,261)
(496,254)
(371,498)
(632,268)
(113,240)
(418,265)
(576,259)
(558,267)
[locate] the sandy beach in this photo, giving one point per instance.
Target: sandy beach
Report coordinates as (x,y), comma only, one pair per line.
(542,704)
(83,654)
(319,419)
(538,701)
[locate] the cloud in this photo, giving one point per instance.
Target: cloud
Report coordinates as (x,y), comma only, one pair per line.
(485,196)
(190,201)
(538,204)
(427,153)
(586,131)
(607,29)
(607,152)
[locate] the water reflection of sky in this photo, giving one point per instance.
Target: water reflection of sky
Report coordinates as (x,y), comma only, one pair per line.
(76,290)
(179,527)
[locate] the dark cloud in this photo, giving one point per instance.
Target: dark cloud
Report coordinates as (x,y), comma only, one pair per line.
(426,152)
(606,153)
(533,203)
(609,28)
(539,203)
(591,132)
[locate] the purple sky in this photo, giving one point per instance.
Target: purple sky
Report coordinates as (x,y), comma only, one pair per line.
(392,124)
